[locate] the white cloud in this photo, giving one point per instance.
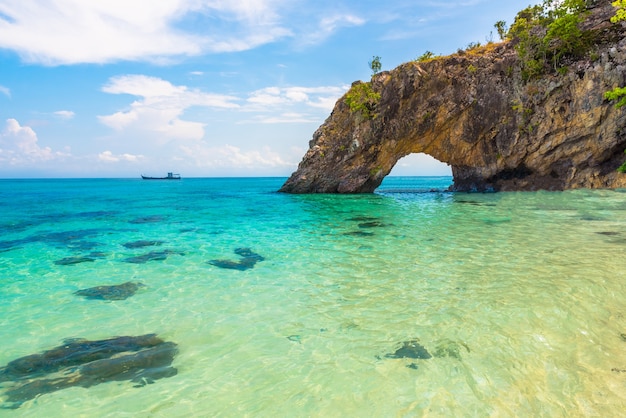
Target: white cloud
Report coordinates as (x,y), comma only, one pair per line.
(232,157)
(78,31)
(287,118)
(5,91)
(317,97)
(65,114)
(19,146)
(109,157)
(161,106)
(331,24)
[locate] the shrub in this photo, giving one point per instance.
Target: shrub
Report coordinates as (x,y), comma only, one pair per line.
(363,99)
(546,34)
(426,56)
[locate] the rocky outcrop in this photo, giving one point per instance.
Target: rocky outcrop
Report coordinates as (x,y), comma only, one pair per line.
(473,111)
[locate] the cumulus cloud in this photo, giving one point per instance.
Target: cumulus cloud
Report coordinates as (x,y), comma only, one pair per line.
(160,106)
(78,31)
(5,91)
(109,157)
(19,145)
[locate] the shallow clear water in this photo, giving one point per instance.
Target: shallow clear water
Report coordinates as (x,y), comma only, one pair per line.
(518,297)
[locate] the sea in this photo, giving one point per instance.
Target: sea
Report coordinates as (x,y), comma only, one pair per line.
(412,301)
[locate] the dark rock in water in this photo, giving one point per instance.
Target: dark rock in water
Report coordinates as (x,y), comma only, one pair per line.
(248,260)
(72,353)
(359,233)
(83,363)
(449,348)
(371,224)
(228,264)
(114,292)
(143,243)
(608,233)
(412,366)
(147,219)
(410,349)
(152,256)
(363,219)
(248,254)
(70,261)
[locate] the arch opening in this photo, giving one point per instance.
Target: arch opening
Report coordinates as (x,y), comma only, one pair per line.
(417,172)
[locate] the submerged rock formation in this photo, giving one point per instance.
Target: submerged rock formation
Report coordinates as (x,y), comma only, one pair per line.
(84,363)
(474,111)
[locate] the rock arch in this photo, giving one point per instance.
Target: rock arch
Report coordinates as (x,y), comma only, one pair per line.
(473,111)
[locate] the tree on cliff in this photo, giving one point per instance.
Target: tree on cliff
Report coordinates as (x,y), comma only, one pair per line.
(375,65)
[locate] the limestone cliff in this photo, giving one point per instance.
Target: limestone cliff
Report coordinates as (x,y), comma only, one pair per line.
(474,111)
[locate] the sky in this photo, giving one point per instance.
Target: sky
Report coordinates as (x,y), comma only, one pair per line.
(204,88)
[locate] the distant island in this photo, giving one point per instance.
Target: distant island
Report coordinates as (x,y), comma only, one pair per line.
(527,113)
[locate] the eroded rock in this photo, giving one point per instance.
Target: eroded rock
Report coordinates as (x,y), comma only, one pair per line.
(475,112)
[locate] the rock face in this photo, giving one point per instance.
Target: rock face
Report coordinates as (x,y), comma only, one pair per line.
(473,111)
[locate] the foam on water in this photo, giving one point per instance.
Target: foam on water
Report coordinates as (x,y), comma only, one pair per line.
(518,297)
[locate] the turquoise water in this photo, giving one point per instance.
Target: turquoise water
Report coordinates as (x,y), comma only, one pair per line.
(519,298)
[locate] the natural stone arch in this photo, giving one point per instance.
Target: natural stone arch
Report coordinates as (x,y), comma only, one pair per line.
(474,112)
(420,164)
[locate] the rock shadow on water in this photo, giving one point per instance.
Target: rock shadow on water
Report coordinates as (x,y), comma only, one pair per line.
(248,260)
(83,363)
(152,256)
(113,292)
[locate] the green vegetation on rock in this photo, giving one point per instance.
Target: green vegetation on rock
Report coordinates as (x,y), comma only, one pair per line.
(363,99)
(547,34)
(618,93)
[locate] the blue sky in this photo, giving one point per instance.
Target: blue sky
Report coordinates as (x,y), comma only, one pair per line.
(202,87)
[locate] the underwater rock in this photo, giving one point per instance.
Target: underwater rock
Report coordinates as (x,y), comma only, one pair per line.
(371,224)
(143,243)
(359,233)
(410,349)
(70,261)
(73,353)
(449,348)
(83,363)
(608,233)
(114,292)
(152,256)
(146,219)
(248,260)
(363,219)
